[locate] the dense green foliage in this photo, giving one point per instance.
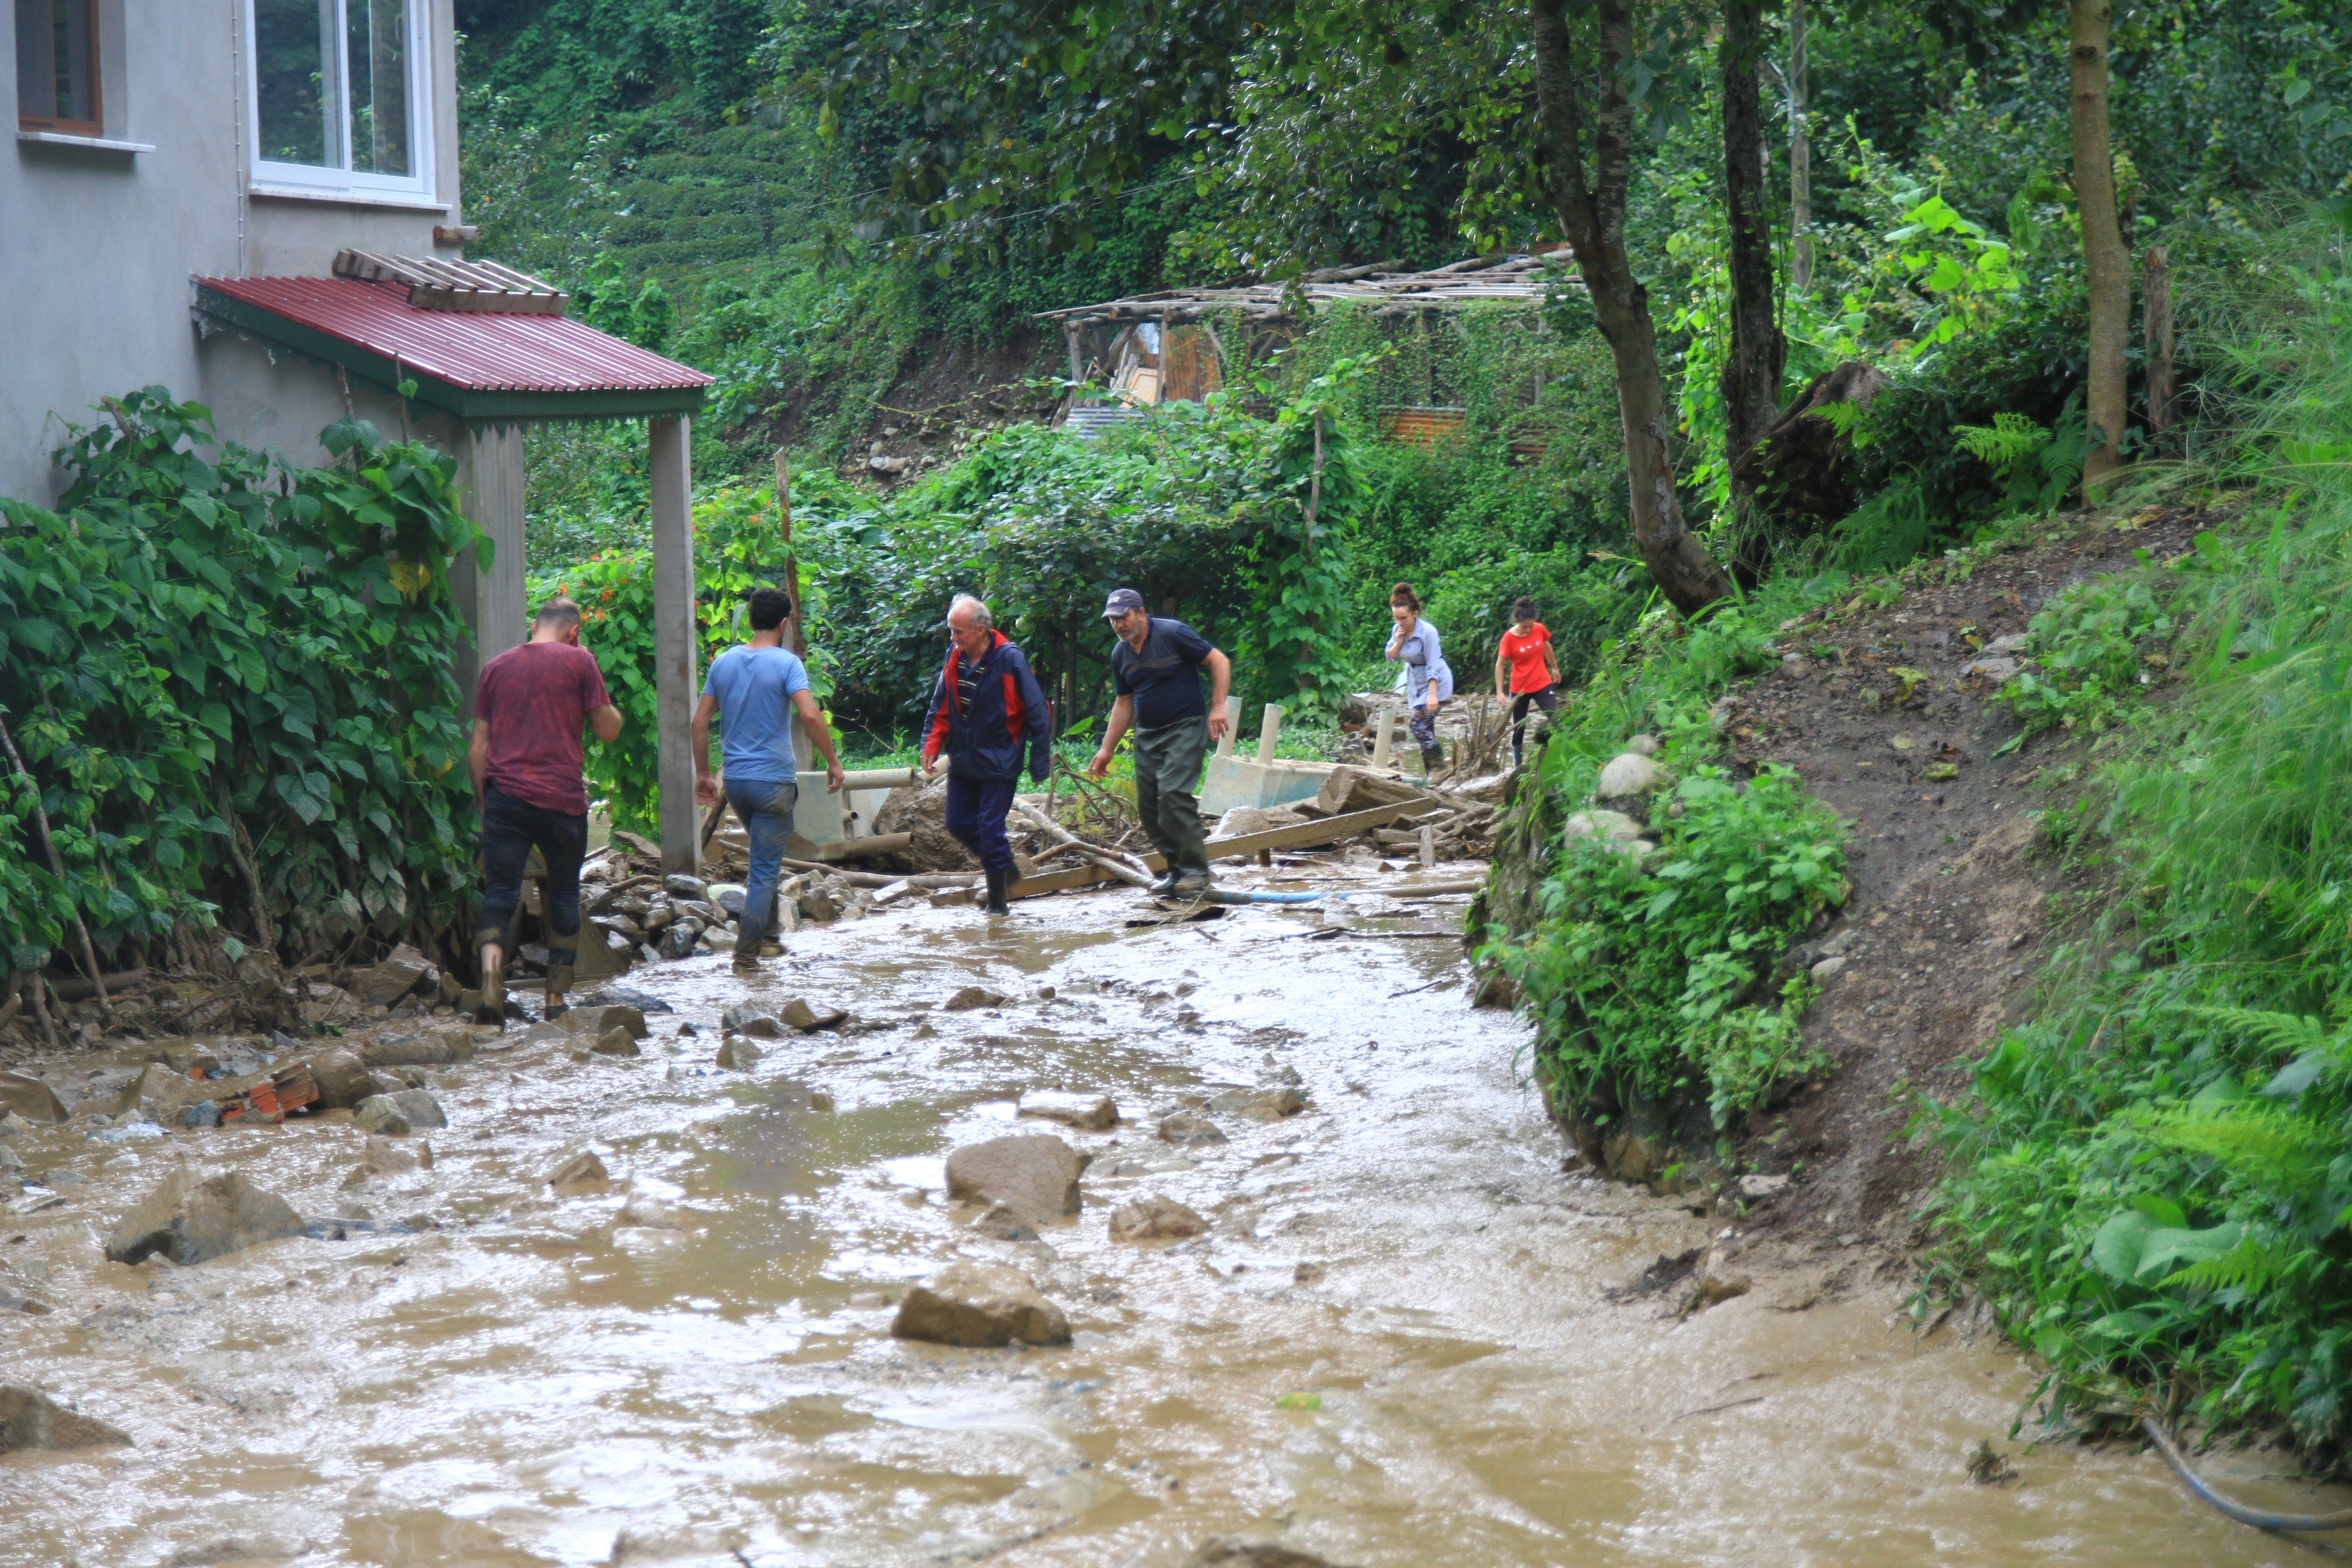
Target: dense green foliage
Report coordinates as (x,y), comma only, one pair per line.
(2154,1176)
(186,637)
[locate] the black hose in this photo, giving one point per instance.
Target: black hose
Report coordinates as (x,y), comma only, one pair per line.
(2259,1520)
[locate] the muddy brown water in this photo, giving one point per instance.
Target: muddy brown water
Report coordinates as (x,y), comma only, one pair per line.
(533,1384)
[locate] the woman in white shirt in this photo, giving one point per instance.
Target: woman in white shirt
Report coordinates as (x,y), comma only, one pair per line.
(1428,680)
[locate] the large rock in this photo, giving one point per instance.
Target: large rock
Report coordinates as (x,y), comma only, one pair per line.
(436,1050)
(737,1055)
(592,1023)
(342,1078)
(972,999)
(1269,1104)
(1186,1131)
(808,1019)
(581,1172)
(1352,789)
(31,1420)
(190,1218)
(980,1304)
(1087,1112)
(1155,1218)
(756,1019)
(1034,1175)
(401,972)
(921,811)
(1628,774)
(397,1115)
(30,1098)
(155,1095)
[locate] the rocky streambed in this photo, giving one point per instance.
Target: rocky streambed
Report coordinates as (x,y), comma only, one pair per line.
(1316,1276)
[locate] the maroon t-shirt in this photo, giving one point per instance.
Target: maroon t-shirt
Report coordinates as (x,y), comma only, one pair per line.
(536,699)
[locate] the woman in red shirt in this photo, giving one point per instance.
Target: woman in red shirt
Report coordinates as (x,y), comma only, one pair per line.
(1526,665)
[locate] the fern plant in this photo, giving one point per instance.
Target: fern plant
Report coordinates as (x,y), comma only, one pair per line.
(2038,466)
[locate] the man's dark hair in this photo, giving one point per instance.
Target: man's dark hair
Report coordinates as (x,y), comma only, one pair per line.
(771,608)
(1525,610)
(558,612)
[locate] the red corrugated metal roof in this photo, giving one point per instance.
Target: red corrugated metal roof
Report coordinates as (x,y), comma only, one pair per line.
(480,352)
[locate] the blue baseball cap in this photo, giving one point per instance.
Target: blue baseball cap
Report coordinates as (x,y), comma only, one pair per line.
(1120,602)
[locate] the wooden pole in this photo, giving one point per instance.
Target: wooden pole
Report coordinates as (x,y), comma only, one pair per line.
(2156,315)
(56,866)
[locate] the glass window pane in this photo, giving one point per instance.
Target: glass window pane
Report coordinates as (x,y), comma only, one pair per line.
(376,44)
(56,61)
(297,59)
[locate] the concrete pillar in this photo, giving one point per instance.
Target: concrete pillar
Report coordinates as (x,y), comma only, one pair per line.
(1384,737)
(669,470)
(1269,729)
(491,599)
(1233,726)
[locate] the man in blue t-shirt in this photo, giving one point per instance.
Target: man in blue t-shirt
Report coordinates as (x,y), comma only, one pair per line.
(1156,674)
(755,690)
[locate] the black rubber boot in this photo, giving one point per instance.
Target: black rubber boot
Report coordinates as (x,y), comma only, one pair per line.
(996,904)
(1431,759)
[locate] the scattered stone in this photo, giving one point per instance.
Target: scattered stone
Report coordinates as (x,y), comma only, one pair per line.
(382,1157)
(1187,1130)
(1004,1225)
(1309,1273)
(397,1115)
(1627,774)
(31,1420)
(737,1055)
(1643,745)
(678,940)
(1033,1174)
(1613,826)
(342,1077)
(1756,1187)
(401,972)
(1718,1283)
(1259,1104)
(190,1218)
(954,897)
(820,1099)
(15,1301)
(867,1300)
(233,1549)
(1155,1218)
(1998,669)
(1830,968)
(444,1049)
(153,1096)
(30,1098)
(808,1019)
(590,1022)
(816,903)
(583,1169)
(380,1081)
(1096,1113)
(1232,1552)
(543,1033)
(979,1305)
(730,896)
(971,999)
(1283,1073)
(752,1018)
(678,885)
(615,1042)
(647,1211)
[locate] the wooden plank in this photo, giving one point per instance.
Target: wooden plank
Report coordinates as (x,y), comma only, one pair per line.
(1241,846)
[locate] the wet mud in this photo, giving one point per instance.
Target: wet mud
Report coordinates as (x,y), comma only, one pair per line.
(1410,1337)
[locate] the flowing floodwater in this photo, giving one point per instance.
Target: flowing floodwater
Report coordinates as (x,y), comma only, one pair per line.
(530,1378)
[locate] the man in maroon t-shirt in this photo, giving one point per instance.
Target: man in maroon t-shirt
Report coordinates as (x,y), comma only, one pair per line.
(529,711)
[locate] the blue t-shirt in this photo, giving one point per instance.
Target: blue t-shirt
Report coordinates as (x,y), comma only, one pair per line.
(754,687)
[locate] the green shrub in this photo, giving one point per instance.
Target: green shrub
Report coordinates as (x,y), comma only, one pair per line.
(185,634)
(2095,648)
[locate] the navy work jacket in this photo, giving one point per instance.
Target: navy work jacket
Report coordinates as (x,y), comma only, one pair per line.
(1006,718)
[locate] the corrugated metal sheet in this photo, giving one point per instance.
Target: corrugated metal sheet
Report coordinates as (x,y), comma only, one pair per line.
(1424,427)
(480,352)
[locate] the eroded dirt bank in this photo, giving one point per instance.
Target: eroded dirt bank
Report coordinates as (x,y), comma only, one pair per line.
(530,1377)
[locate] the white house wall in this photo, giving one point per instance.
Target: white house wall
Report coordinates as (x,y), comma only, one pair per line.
(97,246)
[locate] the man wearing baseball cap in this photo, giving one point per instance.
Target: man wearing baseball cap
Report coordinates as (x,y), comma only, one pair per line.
(1156,672)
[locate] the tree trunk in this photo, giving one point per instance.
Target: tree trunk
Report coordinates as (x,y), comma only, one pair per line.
(2106,264)
(1751,376)
(1592,216)
(2155,315)
(1800,157)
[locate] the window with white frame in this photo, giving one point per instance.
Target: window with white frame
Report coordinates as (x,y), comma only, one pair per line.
(340,95)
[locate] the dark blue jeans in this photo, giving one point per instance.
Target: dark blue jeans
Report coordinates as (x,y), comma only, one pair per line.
(511,827)
(975,815)
(765,810)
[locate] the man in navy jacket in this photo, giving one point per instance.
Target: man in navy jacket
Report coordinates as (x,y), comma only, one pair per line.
(987,711)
